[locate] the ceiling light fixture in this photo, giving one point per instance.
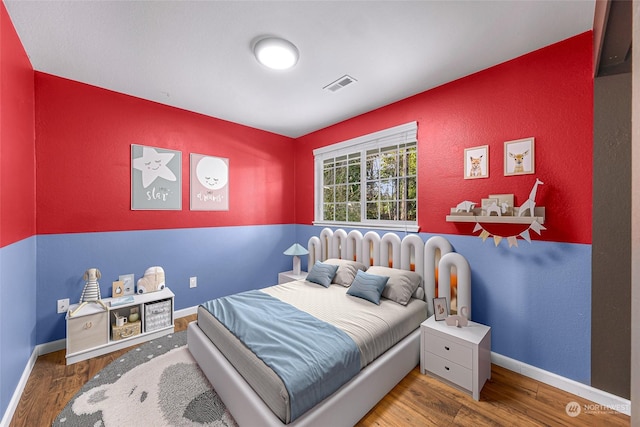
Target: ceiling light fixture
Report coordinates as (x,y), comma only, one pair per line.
(276,53)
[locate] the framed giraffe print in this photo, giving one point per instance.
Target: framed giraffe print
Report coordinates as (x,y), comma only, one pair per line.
(519,157)
(476,162)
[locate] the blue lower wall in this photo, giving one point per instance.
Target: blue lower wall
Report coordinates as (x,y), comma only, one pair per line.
(17,314)
(225,260)
(536,297)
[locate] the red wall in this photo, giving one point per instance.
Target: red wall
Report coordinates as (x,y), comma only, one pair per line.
(17,146)
(547,94)
(84,162)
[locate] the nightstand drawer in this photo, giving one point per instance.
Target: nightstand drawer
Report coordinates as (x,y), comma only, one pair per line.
(449,371)
(86,332)
(450,350)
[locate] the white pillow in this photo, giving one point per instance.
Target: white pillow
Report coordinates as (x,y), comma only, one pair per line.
(347,270)
(401,285)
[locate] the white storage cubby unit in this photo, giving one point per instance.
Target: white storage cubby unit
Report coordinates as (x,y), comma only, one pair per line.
(90,331)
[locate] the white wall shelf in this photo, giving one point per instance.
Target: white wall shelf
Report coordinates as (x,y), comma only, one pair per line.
(494,219)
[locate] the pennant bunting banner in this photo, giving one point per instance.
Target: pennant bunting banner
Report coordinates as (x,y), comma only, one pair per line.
(536,226)
(511,240)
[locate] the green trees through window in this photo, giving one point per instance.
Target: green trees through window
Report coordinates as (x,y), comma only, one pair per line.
(369,181)
(388,177)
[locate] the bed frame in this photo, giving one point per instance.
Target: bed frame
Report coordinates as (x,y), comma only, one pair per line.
(353,400)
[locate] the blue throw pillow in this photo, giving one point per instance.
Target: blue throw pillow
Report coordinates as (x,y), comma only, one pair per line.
(368,286)
(322,273)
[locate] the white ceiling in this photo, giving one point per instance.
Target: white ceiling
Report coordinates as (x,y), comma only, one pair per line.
(197,55)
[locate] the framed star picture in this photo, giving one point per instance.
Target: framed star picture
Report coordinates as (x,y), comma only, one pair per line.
(156,178)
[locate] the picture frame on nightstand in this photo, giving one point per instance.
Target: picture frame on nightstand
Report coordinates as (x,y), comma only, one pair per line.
(440,309)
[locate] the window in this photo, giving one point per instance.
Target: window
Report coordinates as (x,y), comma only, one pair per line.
(369,181)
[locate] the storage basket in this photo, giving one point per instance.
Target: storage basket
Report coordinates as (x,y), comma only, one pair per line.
(157,315)
(125,331)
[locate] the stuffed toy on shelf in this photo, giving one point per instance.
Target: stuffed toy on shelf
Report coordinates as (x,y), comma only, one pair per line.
(91,291)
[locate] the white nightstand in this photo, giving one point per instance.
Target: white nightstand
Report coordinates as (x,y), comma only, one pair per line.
(459,356)
(288,276)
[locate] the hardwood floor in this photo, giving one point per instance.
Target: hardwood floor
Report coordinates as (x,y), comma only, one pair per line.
(508,399)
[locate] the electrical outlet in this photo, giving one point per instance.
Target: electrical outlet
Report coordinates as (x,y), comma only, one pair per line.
(193,282)
(63,305)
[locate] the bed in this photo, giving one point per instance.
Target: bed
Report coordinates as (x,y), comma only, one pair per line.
(385,333)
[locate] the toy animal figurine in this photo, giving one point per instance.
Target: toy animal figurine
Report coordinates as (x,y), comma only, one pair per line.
(530,203)
(91,291)
(499,210)
(153,280)
(458,320)
(465,206)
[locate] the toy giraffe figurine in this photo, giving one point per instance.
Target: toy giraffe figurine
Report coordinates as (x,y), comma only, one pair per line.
(530,203)
(91,291)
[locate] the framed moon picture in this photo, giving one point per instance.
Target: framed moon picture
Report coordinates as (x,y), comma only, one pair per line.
(209,183)
(156,178)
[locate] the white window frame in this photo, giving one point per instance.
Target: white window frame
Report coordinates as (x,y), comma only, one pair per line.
(405,133)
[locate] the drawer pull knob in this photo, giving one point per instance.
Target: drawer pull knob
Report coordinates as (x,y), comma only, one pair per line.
(446,367)
(446,348)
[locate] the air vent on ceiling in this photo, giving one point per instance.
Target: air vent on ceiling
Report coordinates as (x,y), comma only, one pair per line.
(340,83)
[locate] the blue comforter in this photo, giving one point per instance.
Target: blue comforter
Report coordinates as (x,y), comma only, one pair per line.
(312,357)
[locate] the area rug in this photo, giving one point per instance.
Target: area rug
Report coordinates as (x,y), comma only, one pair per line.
(156,384)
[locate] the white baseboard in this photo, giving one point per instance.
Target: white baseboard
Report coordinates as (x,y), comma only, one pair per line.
(185,312)
(17,394)
(600,397)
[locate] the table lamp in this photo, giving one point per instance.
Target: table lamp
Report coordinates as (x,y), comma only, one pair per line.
(296,250)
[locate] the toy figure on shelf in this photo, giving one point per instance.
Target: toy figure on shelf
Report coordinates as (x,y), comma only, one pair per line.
(152,281)
(465,206)
(91,291)
(530,203)
(498,210)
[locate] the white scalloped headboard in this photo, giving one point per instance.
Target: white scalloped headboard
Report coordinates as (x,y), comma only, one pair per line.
(409,253)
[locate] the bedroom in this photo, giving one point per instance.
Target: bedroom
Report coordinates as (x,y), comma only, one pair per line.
(73,218)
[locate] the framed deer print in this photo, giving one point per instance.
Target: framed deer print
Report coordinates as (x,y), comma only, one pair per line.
(519,157)
(476,162)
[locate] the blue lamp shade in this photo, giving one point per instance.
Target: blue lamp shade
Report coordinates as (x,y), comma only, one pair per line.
(296,250)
